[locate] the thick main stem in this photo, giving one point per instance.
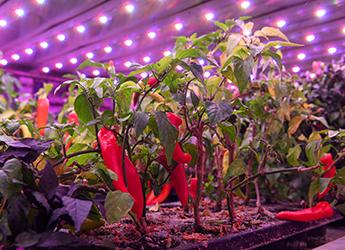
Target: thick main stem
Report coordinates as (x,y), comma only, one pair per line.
(200,168)
(218,159)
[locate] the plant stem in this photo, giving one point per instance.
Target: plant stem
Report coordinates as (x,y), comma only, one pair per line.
(218,160)
(88,151)
(200,168)
(123,154)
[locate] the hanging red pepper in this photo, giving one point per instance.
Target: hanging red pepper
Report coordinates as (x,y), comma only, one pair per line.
(174,119)
(179,181)
(42,113)
(73,119)
(112,156)
(327,161)
(193,188)
(153,200)
(322,210)
(153,82)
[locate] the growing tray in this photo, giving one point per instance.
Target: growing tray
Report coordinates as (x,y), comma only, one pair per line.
(279,236)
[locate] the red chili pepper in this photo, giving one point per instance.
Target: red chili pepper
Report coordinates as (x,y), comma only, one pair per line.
(178,155)
(42,113)
(322,210)
(152,199)
(327,160)
(174,119)
(179,182)
(71,118)
(193,188)
(153,82)
(112,156)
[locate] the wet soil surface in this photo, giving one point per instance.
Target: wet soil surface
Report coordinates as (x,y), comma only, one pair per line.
(171,226)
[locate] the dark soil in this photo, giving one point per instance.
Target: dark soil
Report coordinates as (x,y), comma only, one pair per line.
(170,227)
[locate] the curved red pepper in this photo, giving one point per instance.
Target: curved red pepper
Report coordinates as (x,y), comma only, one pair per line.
(179,181)
(42,113)
(152,199)
(178,155)
(153,82)
(327,161)
(193,187)
(112,156)
(174,119)
(322,210)
(71,118)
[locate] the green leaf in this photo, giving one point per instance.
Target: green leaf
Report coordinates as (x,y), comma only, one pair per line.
(140,121)
(11,177)
(218,112)
(117,205)
(314,188)
(324,182)
(272,32)
(195,99)
(90,63)
(242,71)
(229,130)
(167,134)
(233,41)
(197,71)
(281,43)
(188,53)
(293,155)
(83,108)
(275,56)
(124,96)
(223,26)
(312,151)
(236,168)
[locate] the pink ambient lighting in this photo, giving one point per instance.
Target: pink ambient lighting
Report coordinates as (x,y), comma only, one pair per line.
(128,42)
(19,12)
(73,60)
(61,37)
(151,34)
(58,65)
(3,23)
(103,19)
(296,69)
(332,50)
(178,26)
(29,51)
(301,56)
(96,72)
(45,70)
(15,57)
(3,62)
(209,16)
(44,45)
(310,38)
(281,23)
(81,28)
(107,49)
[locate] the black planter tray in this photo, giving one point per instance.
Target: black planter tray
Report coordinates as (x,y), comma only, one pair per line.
(267,237)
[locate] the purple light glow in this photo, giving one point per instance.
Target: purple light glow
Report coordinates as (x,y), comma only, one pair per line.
(3,62)
(40,1)
(167,53)
(29,51)
(281,23)
(245,4)
(143,75)
(96,72)
(128,42)
(103,19)
(61,37)
(73,60)
(89,55)
(301,56)
(15,57)
(209,16)
(320,12)
(128,64)
(107,49)
(19,12)
(58,65)
(151,34)
(44,45)
(3,23)
(80,28)
(146,59)
(45,70)
(310,38)
(332,50)
(129,8)
(178,26)
(207,74)
(296,69)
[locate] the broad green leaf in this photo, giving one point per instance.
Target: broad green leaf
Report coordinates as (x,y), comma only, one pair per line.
(242,70)
(233,41)
(324,182)
(293,155)
(273,32)
(312,151)
(281,43)
(229,130)
(294,124)
(117,205)
(140,121)
(236,168)
(218,112)
(188,53)
(90,63)
(167,134)
(83,108)
(314,188)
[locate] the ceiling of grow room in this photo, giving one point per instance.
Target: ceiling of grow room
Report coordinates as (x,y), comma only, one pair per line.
(53,36)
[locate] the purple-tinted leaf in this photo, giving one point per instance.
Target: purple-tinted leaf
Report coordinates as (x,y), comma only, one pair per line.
(77,209)
(27,239)
(17,214)
(48,182)
(59,239)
